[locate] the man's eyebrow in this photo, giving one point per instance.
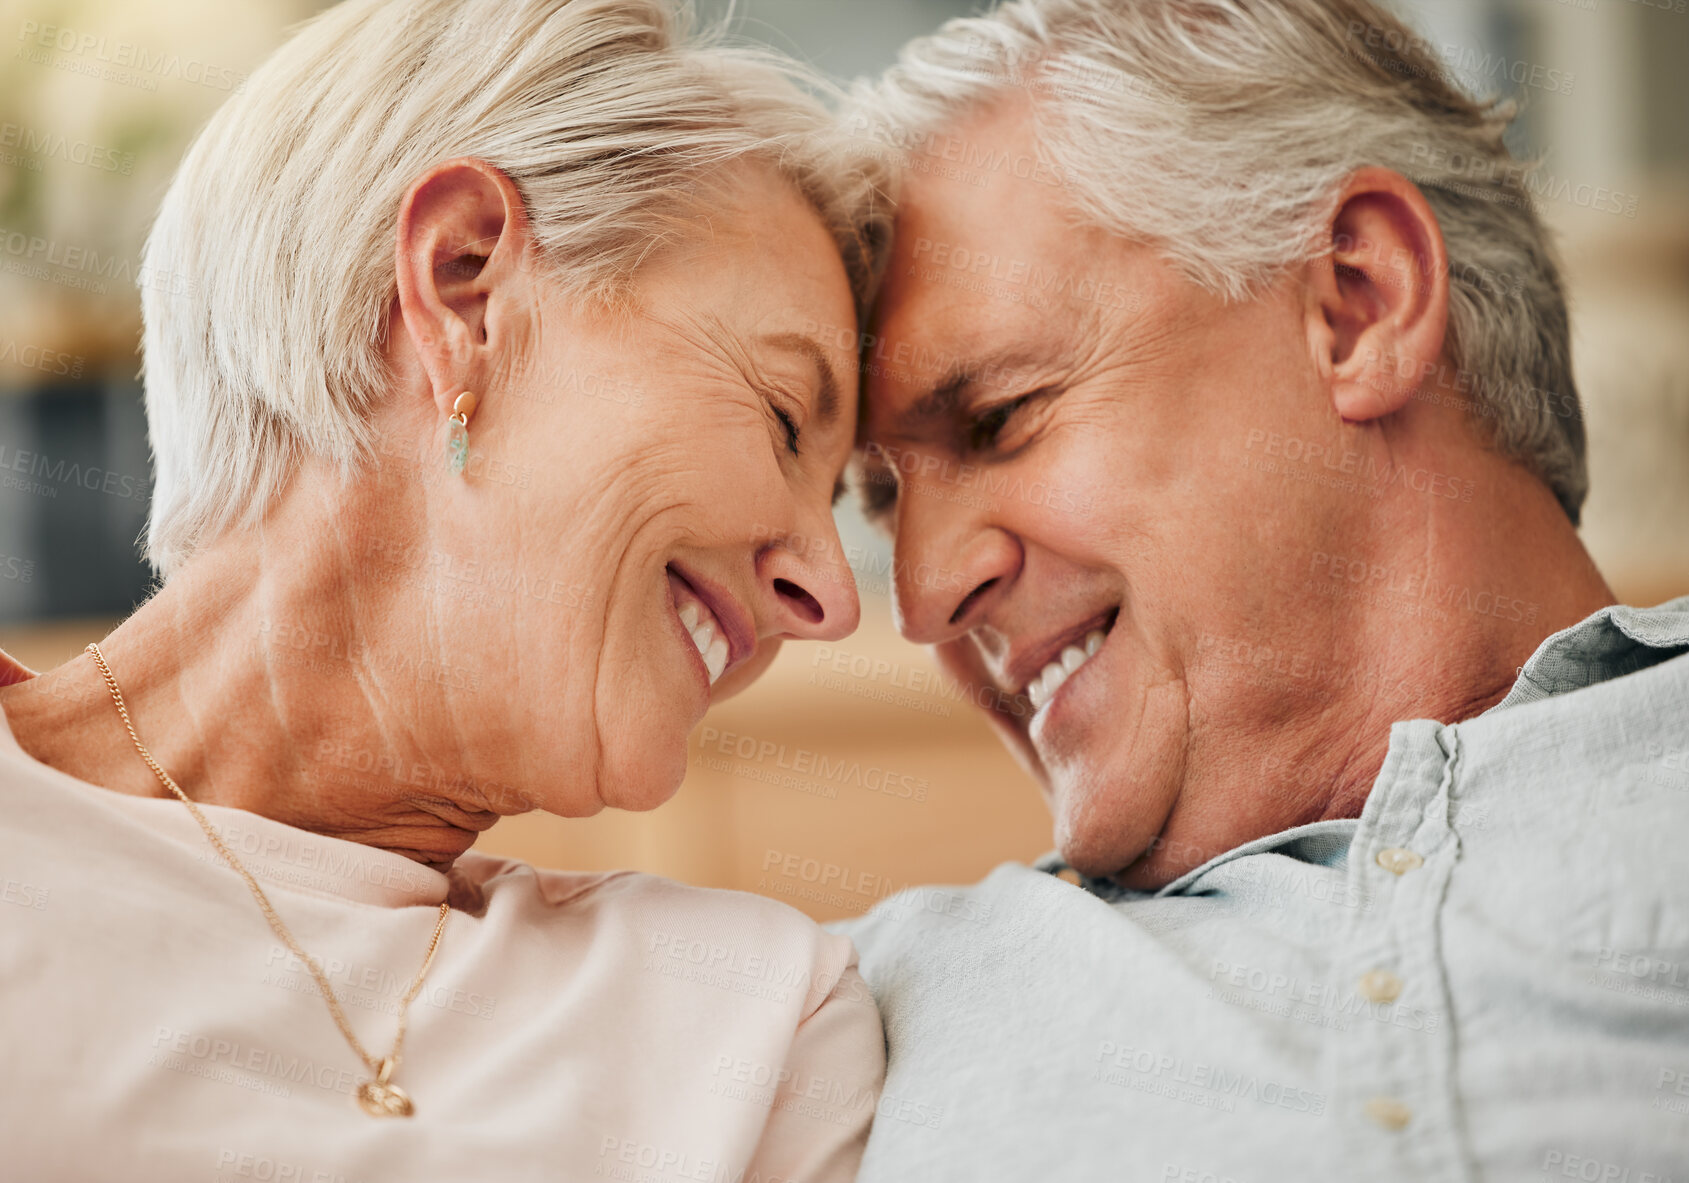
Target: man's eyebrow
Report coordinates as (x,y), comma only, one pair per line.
(827,403)
(939,402)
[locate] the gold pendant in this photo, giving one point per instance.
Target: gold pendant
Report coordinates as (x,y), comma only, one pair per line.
(381,1099)
(384,1100)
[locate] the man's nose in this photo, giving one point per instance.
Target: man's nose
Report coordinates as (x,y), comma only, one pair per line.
(950,567)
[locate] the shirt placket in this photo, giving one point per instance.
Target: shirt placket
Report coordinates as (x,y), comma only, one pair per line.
(1394,1084)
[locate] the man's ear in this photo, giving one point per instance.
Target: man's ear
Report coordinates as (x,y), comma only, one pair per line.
(463,235)
(1379,302)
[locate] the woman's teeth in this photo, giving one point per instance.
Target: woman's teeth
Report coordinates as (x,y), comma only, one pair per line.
(1043,688)
(702,626)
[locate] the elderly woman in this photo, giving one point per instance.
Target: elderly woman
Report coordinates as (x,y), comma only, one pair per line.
(485,392)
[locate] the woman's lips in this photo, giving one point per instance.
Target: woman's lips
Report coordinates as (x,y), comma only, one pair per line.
(699,622)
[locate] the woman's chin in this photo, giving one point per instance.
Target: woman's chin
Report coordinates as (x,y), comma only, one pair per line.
(644,776)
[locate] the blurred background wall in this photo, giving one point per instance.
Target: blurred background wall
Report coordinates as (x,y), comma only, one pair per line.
(851,770)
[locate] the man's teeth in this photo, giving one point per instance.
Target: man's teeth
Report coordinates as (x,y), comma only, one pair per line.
(1043,688)
(711,647)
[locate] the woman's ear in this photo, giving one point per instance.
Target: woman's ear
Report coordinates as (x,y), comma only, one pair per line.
(462,241)
(1379,300)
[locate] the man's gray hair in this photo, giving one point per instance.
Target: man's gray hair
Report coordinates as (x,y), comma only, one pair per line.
(269,275)
(1220,131)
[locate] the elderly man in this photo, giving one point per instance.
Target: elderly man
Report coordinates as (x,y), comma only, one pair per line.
(1222,372)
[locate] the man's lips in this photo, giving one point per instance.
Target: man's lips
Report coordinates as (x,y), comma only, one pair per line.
(1027,660)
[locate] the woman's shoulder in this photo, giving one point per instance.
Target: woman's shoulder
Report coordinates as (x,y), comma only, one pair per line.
(735,936)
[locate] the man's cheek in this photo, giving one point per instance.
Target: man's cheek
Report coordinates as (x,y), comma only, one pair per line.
(960,659)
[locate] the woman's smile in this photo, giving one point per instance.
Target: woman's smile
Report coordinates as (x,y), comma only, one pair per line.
(716,628)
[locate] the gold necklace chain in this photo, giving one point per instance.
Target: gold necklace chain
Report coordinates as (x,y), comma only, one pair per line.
(378,1096)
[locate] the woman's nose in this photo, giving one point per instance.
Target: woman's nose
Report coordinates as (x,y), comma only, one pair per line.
(809,587)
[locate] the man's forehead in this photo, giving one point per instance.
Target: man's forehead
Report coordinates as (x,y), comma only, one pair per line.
(985,259)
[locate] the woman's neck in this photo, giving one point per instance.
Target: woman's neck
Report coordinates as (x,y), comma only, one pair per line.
(261,684)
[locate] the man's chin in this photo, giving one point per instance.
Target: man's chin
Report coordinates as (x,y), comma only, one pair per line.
(1111,831)
(1096,852)
(1148,869)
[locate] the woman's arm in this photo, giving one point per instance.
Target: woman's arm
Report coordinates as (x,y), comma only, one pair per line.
(819,1121)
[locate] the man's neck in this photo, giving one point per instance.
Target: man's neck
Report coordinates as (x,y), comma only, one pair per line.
(1494,595)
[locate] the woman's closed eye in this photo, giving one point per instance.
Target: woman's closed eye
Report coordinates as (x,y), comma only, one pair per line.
(785,419)
(791,428)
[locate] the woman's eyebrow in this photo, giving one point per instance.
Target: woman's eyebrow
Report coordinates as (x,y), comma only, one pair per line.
(827,403)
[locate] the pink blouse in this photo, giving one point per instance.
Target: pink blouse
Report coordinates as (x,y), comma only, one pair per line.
(573,1027)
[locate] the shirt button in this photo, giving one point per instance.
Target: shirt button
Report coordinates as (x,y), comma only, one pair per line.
(1389,1112)
(1380,985)
(1398,861)
(1068,875)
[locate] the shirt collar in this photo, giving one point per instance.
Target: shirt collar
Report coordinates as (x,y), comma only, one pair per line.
(1609,643)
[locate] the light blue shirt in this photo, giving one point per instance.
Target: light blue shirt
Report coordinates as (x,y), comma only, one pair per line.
(1484,977)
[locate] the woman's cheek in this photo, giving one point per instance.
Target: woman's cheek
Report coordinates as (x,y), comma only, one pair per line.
(749,672)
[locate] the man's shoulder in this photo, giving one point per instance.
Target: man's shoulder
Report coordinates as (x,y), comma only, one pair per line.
(962,929)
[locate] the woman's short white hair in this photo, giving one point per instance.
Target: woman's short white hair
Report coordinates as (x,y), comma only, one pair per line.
(269,274)
(1219,130)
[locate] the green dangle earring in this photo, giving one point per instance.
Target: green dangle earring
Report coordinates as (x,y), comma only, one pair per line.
(457,439)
